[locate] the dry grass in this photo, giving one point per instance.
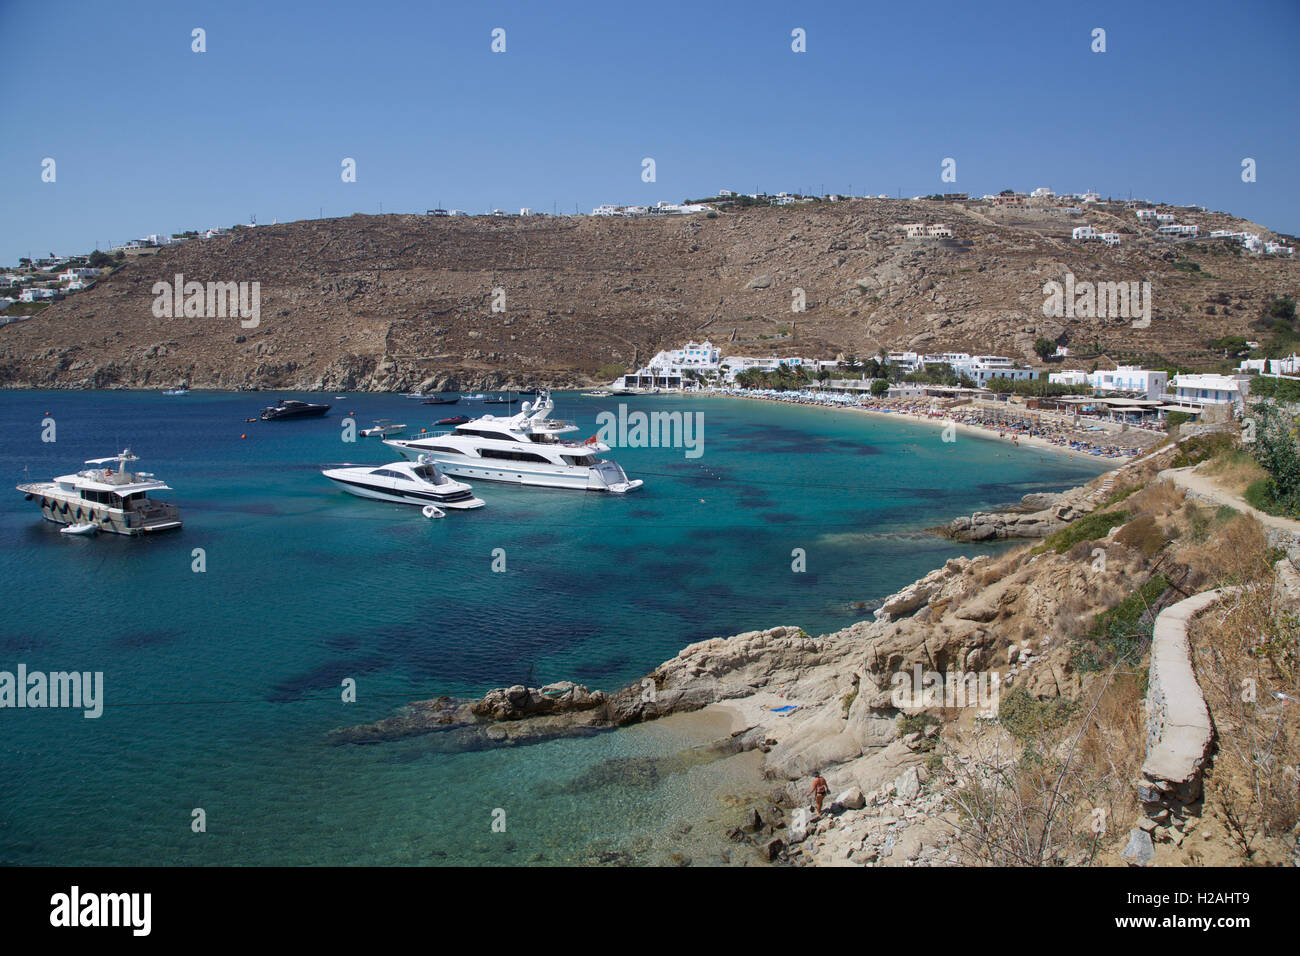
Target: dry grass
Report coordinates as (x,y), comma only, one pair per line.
(1244,653)
(1157,499)
(1060,796)
(1234,471)
(1235,552)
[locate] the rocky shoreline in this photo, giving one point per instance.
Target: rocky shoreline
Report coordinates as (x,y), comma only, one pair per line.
(828,703)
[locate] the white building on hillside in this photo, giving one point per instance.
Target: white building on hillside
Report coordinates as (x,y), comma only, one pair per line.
(1084,233)
(1150,383)
(1073,377)
(1203,389)
(981,369)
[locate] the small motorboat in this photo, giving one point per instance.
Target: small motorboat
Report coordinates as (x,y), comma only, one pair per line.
(433,511)
(293,408)
(405,482)
(499,401)
(438,400)
(476,397)
(177,391)
(454,420)
(81,527)
(382,427)
(598,393)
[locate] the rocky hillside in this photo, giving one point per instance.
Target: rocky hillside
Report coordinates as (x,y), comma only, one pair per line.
(397,302)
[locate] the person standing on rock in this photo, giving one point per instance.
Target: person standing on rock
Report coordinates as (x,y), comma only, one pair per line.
(818,790)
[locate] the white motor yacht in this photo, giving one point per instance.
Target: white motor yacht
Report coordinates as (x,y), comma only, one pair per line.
(382,427)
(405,482)
(113,499)
(523,449)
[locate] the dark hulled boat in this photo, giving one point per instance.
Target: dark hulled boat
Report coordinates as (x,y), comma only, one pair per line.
(293,408)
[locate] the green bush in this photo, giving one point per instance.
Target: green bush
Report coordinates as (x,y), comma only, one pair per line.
(1277,453)
(1202,447)
(1122,633)
(1088,528)
(1024,716)
(916,723)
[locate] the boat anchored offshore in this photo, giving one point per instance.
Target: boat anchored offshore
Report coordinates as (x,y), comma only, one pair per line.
(405,482)
(112,499)
(292,408)
(523,449)
(382,427)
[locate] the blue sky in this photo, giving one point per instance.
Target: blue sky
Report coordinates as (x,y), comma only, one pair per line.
(149,136)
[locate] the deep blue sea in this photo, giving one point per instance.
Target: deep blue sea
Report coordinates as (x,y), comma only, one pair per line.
(220,686)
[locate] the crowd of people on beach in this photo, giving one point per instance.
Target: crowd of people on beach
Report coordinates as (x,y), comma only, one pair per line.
(1082,437)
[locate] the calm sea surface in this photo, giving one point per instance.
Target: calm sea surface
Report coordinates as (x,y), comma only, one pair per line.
(220,686)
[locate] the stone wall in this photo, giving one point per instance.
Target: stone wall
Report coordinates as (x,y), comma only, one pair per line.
(1179,731)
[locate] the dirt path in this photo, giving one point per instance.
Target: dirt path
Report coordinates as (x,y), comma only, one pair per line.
(1203,486)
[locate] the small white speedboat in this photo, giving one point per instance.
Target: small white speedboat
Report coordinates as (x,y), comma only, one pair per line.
(404,482)
(81,527)
(382,427)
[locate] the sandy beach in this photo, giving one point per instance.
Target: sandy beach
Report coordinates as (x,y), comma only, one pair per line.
(941,418)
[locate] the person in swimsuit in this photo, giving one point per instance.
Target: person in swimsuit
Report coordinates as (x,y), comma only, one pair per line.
(819,790)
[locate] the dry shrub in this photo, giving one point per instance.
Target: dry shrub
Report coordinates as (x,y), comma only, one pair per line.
(1143,534)
(1063,794)
(1235,471)
(1235,552)
(1159,498)
(1243,654)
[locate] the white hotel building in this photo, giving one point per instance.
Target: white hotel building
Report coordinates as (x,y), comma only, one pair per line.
(1127,378)
(1199,390)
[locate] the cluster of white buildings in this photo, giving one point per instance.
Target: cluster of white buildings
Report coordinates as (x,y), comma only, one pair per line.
(920,230)
(670,368)
(1126,378)
(1253,243)
(1150,391)
(1187,391)
(661,209)
(1090,234)
(1285,366)
(153,240)
(980,369)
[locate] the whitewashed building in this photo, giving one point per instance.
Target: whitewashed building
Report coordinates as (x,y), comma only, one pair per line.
(1201,389)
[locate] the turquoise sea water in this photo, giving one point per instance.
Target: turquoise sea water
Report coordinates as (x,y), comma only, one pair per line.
(220,686)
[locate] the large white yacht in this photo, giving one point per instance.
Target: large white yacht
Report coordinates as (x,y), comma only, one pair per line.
(412,483)
(523,449)
(114,499)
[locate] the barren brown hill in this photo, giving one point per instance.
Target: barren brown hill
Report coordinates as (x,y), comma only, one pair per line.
(401,301)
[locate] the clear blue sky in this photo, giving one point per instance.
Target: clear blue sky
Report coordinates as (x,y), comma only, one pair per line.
(151,137)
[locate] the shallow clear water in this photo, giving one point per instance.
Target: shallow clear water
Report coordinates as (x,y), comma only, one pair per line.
(221,685)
